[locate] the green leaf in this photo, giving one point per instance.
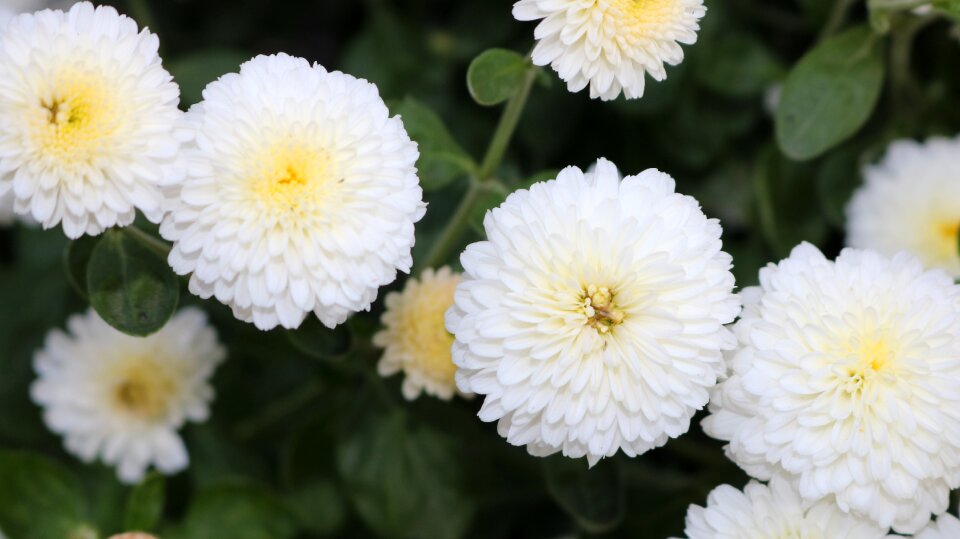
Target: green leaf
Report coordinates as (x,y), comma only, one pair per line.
(236,511)
(131,286)
(830,94)
(145,504)
(308,469)
(194,71)
(318,506)
(594,497)
(404,480)
(318,341)
(76,257)
(737,65)
(496,75)
(442,160)
(40,499)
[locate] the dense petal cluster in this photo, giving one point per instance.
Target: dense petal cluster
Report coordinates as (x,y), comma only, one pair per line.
(774,511)
(847,381)
(88,119)
(910,201)
(593,317)
(123,398)
(611,44)
(301,194)
(414,338)
(946,526)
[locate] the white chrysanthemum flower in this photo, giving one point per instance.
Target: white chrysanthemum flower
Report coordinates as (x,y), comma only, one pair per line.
(611,44)
(911,202)
(301,196)
(592,318)
(88,119)
(414,337)
(775,511)
(946,526)
(123,398)
(847,380)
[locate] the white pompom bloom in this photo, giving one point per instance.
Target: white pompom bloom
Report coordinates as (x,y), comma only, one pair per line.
(414,338)
(910,201)
(301,196)
(123,398)
(847,380)
(88,119)
(946,526)
(593,317)
(774,511)
(611,44)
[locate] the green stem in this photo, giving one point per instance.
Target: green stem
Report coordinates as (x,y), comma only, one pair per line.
(286,405)
(154,244)
(506,127)
(484,178)
(454,230)
(838,16)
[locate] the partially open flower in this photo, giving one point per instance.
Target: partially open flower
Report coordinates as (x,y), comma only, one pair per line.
(414,337)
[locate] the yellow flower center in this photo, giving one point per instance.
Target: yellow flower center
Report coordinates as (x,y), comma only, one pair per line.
(598,306)
(74,117)
(873,357)
(290,176)
(947,235)
(143,388)
(642,15)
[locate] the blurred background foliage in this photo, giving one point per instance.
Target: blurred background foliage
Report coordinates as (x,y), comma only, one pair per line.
(305,440)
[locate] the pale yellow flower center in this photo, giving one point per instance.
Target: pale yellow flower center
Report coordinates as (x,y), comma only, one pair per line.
(143,388)
(946,234)
(74,117)
(289,176)
(642,15)
(873,357)
(601,311)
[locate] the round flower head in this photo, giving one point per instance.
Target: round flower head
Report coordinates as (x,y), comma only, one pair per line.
(847,380)
(414,337)
(88,119)
(946,526)
(910,201)
(592,318)
(611,44)
(301,195)
(772,512)
(123,398)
